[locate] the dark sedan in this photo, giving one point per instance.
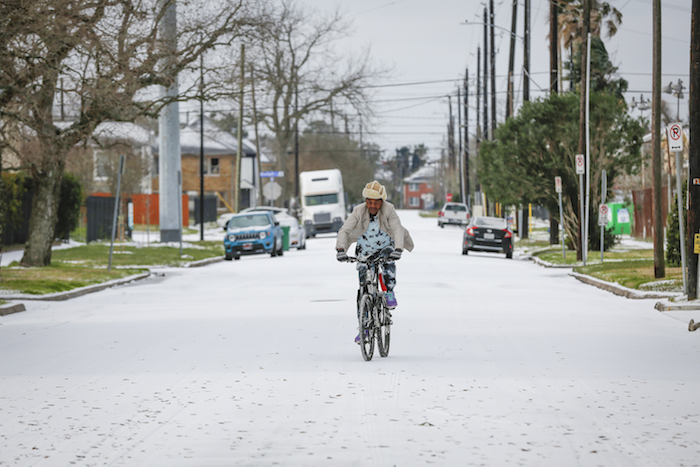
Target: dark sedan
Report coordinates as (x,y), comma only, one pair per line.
(489,234)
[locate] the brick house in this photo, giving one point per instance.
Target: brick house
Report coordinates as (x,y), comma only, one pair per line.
(419,189)
(220,150)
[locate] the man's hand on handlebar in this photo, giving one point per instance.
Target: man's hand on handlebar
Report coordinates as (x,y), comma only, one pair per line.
(341,255)
(395,255)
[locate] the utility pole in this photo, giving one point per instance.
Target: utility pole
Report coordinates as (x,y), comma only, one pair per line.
(201,147)
(659,264)
(258,180)
(487,135)
(582,116)
(466,138)
(460,155)
(554,47)
(479,133)
(492,19)
(694,153)
(553,89)
(511,60)
(296,145)
(526,52)
(239,149)
(169,160)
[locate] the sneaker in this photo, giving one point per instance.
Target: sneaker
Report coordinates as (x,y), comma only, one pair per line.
(390,300)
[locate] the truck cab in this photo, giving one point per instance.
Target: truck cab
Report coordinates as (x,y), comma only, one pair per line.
(322,201)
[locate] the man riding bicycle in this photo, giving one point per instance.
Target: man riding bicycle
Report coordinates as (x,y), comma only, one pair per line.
(374,225)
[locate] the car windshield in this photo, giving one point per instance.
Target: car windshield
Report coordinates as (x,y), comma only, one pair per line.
(455,207)
(252,220)
(315,200)
(491,223)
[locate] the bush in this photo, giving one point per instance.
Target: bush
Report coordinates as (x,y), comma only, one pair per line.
(12,187)
(69,206)
(673,238)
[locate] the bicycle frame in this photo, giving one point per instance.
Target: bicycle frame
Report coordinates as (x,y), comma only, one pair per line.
(373,316)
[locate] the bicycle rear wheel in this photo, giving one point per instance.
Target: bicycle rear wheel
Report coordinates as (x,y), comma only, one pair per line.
(366,328)
(383,329)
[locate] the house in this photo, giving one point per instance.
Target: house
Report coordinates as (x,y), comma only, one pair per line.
(220,151)
(419,189)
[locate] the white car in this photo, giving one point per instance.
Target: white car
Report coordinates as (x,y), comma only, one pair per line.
(453,213)
(297,234)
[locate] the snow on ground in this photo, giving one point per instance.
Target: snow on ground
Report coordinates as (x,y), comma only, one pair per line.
(252,363)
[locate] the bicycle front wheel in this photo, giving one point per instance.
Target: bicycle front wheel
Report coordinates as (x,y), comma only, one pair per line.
(366,328)
(383,329)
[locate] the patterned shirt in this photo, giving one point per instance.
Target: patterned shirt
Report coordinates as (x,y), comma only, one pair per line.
(373,239)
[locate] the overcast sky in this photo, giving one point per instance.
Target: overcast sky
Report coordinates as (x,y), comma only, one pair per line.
(427,42)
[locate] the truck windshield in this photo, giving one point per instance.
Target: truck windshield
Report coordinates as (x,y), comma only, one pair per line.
(315,200)
(253,220)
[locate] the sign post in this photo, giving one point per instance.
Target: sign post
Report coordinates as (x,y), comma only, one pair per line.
(603,195)
(675,144)
(557,187)
(272,190)
(580,170)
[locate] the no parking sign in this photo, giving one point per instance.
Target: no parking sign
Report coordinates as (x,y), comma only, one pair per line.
(675,137)
(603,215)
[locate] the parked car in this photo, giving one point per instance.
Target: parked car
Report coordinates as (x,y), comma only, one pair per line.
(297,234)
(489,234)
(453,213)
(272,209)
(251,233)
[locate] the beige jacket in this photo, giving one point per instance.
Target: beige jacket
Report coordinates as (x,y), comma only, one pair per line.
(358,223)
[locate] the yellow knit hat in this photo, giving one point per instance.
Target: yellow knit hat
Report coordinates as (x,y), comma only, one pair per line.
(374,190)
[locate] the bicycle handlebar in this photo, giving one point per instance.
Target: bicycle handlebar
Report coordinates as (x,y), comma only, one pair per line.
(380,256)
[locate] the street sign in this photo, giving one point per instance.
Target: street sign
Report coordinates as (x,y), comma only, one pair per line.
(580,167)
(448,197)
(272,190)
(603,215)
(272,174)
(557,184)
(696,245)
(675,137)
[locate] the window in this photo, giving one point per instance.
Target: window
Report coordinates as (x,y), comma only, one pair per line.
(211,166)
(315,200)
(413,187)
(414,201)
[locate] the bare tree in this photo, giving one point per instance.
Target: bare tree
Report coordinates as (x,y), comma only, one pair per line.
(299,72)
(105,56)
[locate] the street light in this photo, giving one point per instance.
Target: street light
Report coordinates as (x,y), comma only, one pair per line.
(676,90)
(642,105)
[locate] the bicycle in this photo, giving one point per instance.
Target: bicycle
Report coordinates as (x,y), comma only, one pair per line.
(373,315)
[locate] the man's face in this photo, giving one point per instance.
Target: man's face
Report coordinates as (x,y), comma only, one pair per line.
(373,205)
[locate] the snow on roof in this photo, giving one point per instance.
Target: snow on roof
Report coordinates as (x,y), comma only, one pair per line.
(424,174)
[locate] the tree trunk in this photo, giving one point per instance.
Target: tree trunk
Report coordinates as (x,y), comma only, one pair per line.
(694,152)
(42,221)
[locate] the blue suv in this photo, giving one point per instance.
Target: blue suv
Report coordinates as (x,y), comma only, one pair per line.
(251,233)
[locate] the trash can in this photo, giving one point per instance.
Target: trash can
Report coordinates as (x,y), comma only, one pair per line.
(285,237)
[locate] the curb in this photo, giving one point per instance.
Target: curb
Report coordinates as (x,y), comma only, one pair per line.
(620,290)
(668,306)
(204,262)
(59,296)
(9,309)
(546,264)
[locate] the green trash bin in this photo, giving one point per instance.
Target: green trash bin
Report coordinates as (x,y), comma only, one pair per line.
(285,237)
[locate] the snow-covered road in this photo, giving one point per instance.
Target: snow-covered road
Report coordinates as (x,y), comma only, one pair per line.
(252,363)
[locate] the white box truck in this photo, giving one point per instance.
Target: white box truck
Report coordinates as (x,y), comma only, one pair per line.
(322,201)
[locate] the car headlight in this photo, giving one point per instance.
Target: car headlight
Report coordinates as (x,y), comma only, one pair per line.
(231,238)
(262,235)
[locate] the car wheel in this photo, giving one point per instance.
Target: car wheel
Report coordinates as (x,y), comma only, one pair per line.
(273,252)
(465,251)
(509,255)
(280,251)
(228,257)
(442,226)
(237,257)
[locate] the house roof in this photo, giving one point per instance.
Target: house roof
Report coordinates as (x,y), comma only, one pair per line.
(425,174)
